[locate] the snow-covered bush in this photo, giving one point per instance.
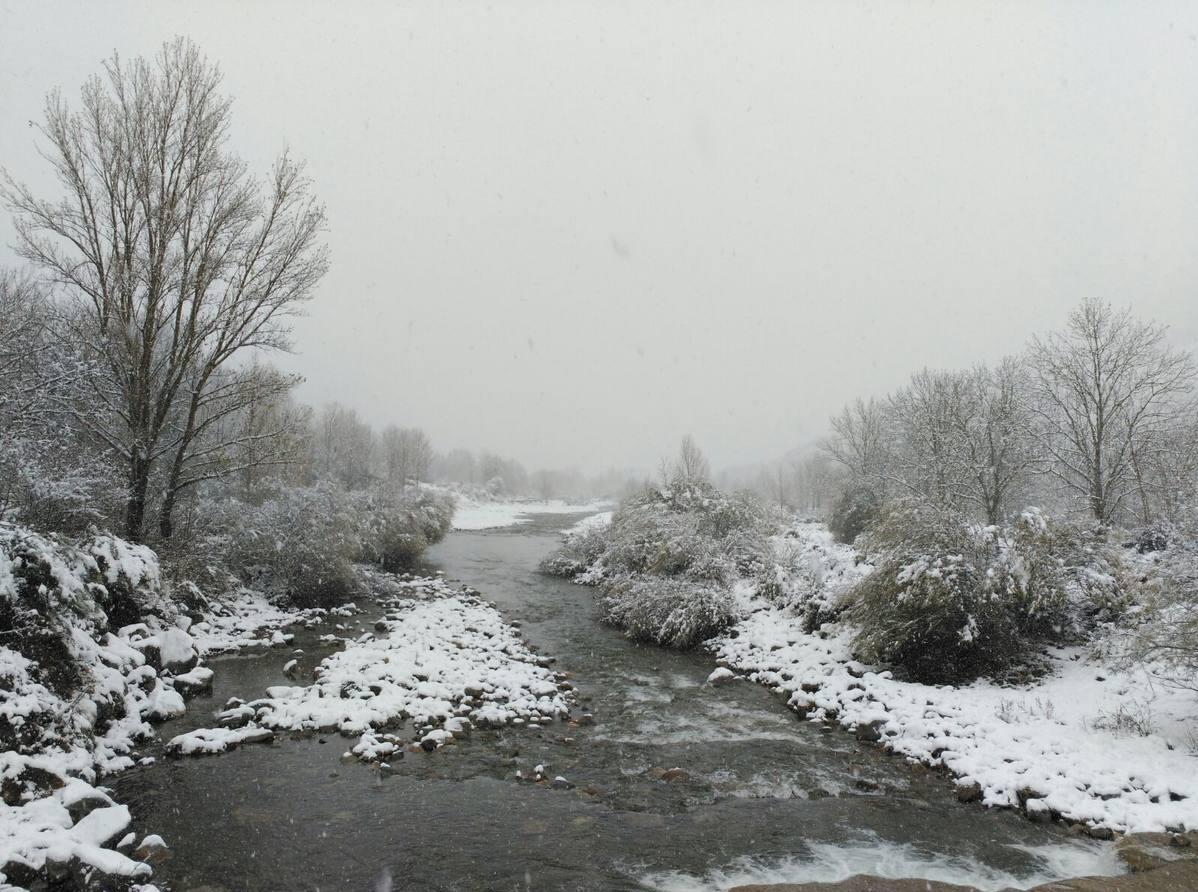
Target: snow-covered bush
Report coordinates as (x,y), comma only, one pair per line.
(1165,634)
(59,602)
(811,573)
(395,527)
(579,553)
(300,543)
(950,600)
(674,612)
(853,512)
(668,562)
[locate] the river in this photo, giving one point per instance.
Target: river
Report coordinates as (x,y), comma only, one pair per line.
(766,798)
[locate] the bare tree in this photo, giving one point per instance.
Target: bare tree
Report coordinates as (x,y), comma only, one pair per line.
(407,454)
(691,465)
(175,260)
(343,446)
(997,439)
(859,442)
(1105,390)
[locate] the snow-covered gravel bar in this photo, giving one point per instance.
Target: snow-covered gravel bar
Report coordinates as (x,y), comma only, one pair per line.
(442,660)
(1085,744)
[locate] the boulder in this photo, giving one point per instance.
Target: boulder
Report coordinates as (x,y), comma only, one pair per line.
(721,677)
(971,792)
(870,732)
(153,850)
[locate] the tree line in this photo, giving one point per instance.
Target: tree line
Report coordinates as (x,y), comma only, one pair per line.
(1096,420)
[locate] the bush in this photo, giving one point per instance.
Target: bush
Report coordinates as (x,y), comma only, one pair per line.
(302,543)
(58,598)
(811,574)
(1165,635)
(395,527)
(950,600)
(671,612)
(853,513)
(578,554)
(669,560)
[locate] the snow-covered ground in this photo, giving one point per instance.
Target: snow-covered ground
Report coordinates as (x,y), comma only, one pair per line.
(60,743)
(590,522)
(1111,750)
(443,660)
(473,514)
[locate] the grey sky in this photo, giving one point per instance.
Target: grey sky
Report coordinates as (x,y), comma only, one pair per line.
(572,232)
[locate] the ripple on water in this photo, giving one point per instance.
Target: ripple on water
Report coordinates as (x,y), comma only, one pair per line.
(827,863)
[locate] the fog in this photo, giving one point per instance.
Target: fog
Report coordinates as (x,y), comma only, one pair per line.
(572,232)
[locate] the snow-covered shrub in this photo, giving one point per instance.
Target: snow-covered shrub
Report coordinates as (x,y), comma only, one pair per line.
(950,600)
(396,526)
(300,543)
(853,512)
(674,612)
(669,560)
(1165,633)
(811,573)
(579,553)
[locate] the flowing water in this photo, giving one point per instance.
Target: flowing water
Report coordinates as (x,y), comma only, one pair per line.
(766,797)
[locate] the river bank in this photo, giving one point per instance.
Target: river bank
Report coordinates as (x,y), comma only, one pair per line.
(758,796)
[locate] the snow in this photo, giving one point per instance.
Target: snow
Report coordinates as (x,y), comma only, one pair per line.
(592,522)
(216,740)
(720,676)
(42,829)
(473,514)
(247,619)
(63,745)
(448,661)
(1069,744)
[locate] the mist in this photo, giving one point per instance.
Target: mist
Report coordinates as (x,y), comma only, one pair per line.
(573,233)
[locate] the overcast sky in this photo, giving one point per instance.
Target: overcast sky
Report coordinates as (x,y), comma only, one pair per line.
(572,232)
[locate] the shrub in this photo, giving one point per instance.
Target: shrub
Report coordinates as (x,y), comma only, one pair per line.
(950,600)
(55,687)
(300,543)
(671,612)
(853,513)
(1165,635)
(579,553)
(669,560)
(811,574)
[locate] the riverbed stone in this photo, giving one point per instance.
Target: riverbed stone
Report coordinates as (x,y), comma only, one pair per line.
(971,792)
(869,732)
(1142,852)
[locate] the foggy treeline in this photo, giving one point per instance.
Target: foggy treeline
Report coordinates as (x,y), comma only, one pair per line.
(1096,420)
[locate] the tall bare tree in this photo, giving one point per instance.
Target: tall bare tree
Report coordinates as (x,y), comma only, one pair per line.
(407,454)
(691,464)
(860,442)
(175,260)
(1105,390)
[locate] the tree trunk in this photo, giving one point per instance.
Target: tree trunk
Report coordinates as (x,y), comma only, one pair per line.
(135,504)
